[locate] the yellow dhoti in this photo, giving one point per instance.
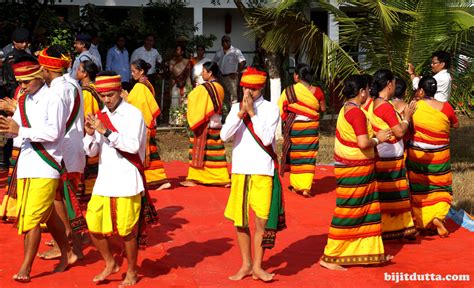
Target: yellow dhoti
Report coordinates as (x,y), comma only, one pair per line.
(35,199)
(253,191)
(106,215)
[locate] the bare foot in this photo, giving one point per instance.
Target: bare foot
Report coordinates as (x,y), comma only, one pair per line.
(442,231)
(227,185)
(22,278)
(130,279)
(242,273)
(108,270)
(260,274)
(52,253)
(65,262)
(331,266)
(49,243)
(188,183)
(164,186)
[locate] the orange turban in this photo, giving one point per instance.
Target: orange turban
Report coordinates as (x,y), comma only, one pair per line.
(52,63)
(108,83)
(27,70)
(253,78)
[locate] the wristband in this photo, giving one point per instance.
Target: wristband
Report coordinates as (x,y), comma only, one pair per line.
(406,121)
(376,141)
(107,133)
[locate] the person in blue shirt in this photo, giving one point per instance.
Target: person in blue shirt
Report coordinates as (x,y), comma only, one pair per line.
(118,61)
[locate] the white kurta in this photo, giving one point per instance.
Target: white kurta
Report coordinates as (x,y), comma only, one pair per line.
(118,177)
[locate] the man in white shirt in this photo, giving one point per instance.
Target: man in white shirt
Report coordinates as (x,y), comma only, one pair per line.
(68,90)
(440,63)
(231,62)
(82,44)
(40,121)
(118,135)
(148,54)
(253,173)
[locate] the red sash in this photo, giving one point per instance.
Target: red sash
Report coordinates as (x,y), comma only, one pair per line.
(148,214)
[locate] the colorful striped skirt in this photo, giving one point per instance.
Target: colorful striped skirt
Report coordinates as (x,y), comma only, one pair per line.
(9,202)
(395,205)
(87,182)
(429,173)
(215,170)
(355,235)
(304,137)
(154,169)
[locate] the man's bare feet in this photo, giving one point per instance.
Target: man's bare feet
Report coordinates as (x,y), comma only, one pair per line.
(164,186)
(108,270)
(130,279)
(388,258)
(331,266)
(260,274)
(442,231)
(22,278)
(52,253)
(242,273)
(188,183)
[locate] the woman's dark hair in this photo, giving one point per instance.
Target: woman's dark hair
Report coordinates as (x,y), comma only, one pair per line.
(353,84)
(56,51)
(400,88)
(304,72)
(107,73)
(429,85)
(379,81)
(141,65)
(90,68)
(444,57)
(201,46)
(212,67)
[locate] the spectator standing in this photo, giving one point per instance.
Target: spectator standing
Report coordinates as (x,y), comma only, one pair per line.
(440,63)
(231,62)
(150,55)
(95,40)
(197,68)
(118,61)
(82,45)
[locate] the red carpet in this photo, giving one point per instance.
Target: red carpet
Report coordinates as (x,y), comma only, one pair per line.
(195,246)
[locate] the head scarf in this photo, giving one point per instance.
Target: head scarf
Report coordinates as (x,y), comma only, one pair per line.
(27,70)
(253,78)
(108,83)
(52,63)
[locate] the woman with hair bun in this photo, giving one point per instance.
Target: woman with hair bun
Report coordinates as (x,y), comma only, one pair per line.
(355,233)
(300,105)
(142,96)
(390,172)
(429,160)
(207,161)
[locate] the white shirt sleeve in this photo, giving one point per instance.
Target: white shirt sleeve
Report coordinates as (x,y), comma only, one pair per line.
(134,56)
(91,146)
(52,130)
(240,56)
(232,123)
(443,81)
(415,82)
(266,131)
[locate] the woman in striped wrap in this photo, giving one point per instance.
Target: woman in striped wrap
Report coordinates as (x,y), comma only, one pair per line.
(142,96)
(207,161)
(428,161)
(299,108)
(355,233)
(392,185)
(86,73)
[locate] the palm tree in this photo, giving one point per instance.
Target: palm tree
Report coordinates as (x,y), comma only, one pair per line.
(382,34)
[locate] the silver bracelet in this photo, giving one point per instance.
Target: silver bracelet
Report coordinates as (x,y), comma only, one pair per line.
(406,121)
(376,141)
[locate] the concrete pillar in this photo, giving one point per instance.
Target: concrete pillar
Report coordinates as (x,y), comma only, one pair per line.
(198,20)
(333,27)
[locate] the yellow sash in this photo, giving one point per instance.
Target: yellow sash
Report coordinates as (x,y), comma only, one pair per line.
(431,126)
(142,98)
(345,145)
(200,106)
(307,104)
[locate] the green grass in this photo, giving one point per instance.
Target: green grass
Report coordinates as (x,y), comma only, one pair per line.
(174,146)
